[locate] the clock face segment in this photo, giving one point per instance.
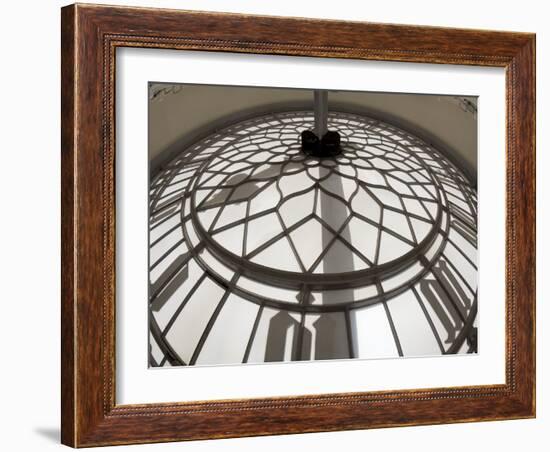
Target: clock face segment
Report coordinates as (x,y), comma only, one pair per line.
(261,252)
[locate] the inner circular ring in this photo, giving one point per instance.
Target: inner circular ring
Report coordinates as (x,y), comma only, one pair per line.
(297,280)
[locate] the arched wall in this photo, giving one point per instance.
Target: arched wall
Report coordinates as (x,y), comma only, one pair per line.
(189,112)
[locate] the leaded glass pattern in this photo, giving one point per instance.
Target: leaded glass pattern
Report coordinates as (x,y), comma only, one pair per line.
(259,253)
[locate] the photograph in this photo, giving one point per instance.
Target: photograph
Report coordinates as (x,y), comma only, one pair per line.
(292,224)
(286,223)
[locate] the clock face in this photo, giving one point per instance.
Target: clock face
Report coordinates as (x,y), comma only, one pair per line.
(261,253)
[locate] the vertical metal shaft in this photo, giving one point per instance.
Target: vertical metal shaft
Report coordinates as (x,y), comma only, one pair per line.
(320,108)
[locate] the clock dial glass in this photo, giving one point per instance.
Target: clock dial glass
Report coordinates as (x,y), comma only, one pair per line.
(261,251)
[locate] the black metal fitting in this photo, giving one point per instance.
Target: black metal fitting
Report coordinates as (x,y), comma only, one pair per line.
(328,146)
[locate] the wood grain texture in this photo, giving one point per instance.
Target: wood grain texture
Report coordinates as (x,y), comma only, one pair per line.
(67,225)
(90,36)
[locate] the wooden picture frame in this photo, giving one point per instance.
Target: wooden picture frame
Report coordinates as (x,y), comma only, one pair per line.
(90,36)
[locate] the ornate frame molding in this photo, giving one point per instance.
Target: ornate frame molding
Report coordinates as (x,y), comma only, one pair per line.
(90,36)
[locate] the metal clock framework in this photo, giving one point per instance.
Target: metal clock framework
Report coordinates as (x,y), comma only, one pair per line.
(260,252)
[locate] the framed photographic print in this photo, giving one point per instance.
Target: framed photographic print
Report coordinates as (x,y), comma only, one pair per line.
(280,225)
